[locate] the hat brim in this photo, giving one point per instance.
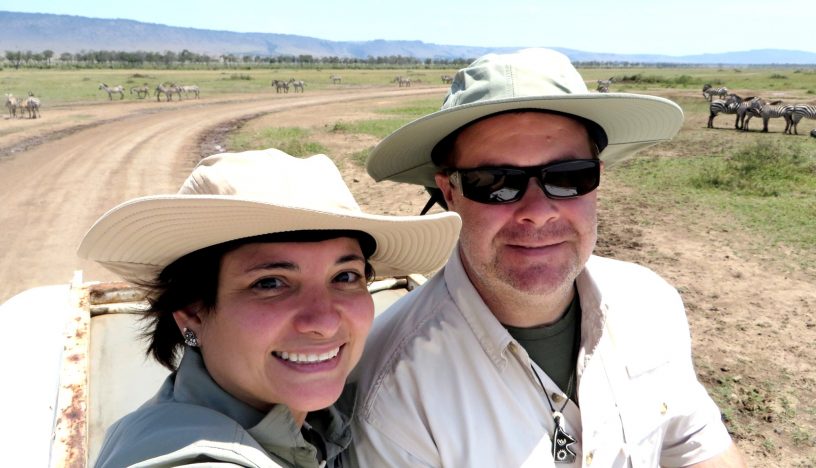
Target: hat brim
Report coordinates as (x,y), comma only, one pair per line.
(137,239)
(631,122)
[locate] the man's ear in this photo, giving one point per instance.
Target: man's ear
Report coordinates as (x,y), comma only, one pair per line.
(443,182)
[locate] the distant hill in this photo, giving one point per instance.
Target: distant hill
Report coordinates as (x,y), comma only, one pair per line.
(64,33)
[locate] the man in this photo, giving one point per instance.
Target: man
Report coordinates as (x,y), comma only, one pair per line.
(526,350)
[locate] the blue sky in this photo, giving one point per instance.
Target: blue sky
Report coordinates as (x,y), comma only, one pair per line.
(614,26)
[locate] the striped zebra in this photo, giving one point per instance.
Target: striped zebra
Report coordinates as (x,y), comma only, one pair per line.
(297,84)
(189,89)
(32,105)
(12,105)
(603,85)
(744,108)
(728,106)
(168,91)
(280,86)
(709,92)
(402,81)
(141,91)
(768,111)
(118,89)
(336,79)
(800,111)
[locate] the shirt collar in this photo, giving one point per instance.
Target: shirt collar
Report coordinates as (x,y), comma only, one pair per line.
(492,336)
(276,430)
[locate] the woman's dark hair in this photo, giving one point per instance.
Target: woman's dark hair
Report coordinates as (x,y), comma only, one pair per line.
(192,281)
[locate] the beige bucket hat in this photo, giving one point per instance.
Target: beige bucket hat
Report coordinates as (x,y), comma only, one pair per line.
(527,79)
(235,195)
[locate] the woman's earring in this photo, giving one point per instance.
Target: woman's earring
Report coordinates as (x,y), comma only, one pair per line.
(190,338)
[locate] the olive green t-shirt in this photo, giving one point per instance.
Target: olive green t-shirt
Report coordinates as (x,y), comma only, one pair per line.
(554,347)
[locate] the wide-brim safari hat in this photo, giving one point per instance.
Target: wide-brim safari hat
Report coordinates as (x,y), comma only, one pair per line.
(237,195)
(540,79)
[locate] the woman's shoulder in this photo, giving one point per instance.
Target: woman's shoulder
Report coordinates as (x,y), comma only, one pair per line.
(174,432)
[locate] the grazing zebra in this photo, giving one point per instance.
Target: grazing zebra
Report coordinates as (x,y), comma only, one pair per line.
(280,86)
(603,89)
(141,91)
(446,79)
(12,105)
(118,89)
(768,110)
(168,91)
(32,105)
(336,79)
(709,92)
(800,111)
(189,89)
(402,81)
(297,84)
(727,106)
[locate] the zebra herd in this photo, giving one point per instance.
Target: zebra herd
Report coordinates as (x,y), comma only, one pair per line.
(283,86)
(30,104)
(746,108)
(166,89)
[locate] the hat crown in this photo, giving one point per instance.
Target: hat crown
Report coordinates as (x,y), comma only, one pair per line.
(526,73)
(272,176)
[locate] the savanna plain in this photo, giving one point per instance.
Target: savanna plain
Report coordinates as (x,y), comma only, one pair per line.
(728,217)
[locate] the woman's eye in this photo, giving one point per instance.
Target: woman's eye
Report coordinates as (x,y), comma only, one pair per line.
(348,277)
(268,283)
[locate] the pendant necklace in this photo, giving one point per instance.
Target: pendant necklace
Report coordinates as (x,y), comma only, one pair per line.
(561,440)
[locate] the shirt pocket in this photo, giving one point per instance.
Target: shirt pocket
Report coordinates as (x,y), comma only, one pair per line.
(645,412)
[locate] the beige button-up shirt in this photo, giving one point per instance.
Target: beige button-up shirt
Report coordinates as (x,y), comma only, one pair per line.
(444,384)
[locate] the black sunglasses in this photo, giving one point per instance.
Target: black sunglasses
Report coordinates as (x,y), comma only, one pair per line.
(506,184)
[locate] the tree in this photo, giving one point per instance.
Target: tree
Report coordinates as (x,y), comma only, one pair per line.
(15,57)
(47,54)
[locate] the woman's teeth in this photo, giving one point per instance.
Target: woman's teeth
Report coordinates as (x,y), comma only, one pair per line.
(302,358)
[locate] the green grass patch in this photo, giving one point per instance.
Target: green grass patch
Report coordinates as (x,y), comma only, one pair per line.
(359,158)
(767,187)
(292,140)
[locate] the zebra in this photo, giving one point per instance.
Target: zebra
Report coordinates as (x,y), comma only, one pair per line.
(296,84)
(32,105)
(603,85)
(728,106)
(336,79)
(12,105)
(141,91)
(280,86)
(402,81)
(709,92)
(446,79)
(767,111)
(800,111)
(168,91)
(118,89)
(189,89)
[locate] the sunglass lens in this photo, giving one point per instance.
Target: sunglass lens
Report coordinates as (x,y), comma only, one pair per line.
(495,185)
(571,178)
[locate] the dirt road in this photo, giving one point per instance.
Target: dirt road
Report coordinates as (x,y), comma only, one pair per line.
(51,193)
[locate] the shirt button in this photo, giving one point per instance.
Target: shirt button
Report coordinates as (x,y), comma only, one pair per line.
(589,458)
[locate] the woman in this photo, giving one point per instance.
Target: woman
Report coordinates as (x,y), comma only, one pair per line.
(257,270)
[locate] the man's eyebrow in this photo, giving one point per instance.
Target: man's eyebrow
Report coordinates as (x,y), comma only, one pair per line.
(350,258)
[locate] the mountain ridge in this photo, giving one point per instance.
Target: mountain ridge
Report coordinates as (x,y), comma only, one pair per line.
(69,33)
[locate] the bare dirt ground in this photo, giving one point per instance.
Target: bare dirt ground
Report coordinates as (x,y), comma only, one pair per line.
(751,310)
